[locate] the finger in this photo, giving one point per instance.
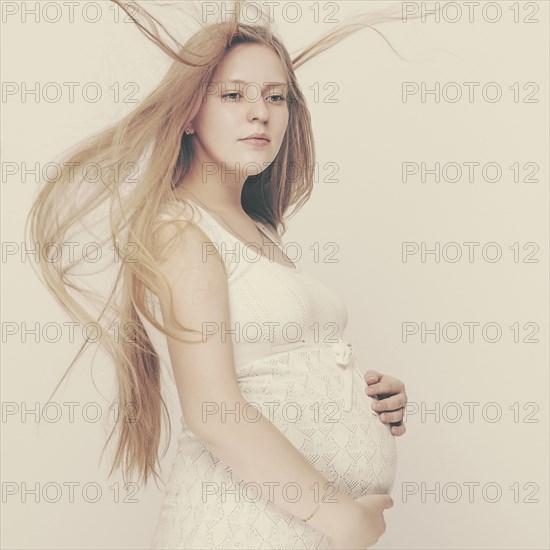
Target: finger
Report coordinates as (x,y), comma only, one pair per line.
(393,403)
(398,430)
(372,376)
(392,416)
(383,388)
(391,385)
(380,389)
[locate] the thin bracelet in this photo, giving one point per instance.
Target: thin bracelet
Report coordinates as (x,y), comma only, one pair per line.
(313,513)
(318,505)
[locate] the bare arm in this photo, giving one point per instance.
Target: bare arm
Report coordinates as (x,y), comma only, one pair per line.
(205,373)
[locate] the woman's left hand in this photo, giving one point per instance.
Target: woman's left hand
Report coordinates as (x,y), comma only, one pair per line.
(391,399)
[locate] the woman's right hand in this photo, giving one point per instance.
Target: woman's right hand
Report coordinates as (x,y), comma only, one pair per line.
(368,526)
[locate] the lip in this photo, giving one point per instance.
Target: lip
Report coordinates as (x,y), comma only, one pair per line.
(256,142)
(257,137)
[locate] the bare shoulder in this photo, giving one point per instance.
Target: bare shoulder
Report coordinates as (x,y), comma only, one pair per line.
(182,245)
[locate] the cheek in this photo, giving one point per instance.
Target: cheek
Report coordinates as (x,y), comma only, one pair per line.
(221,123)
(217,126)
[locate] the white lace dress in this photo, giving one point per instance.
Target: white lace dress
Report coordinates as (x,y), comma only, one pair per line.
(305,381)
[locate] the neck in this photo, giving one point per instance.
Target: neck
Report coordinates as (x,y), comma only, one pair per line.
(220,191)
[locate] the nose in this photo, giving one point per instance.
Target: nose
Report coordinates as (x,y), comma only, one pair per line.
(258,110)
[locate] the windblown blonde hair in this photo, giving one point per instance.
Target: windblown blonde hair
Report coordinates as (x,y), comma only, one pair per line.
(155,128)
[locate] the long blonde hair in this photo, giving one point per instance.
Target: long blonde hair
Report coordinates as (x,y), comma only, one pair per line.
(155,129)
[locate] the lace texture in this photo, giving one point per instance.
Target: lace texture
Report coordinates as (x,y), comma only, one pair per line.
(312,390)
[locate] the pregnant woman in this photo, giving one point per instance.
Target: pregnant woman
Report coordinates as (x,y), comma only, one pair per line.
(280,445)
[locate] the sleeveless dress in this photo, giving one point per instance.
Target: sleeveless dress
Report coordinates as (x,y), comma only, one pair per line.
(302,375)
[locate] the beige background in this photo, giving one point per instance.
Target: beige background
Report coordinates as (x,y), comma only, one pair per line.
(368,212)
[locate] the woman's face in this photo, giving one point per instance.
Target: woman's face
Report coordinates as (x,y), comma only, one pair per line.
(231,111)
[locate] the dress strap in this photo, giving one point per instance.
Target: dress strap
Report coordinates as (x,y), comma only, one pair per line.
(268,234)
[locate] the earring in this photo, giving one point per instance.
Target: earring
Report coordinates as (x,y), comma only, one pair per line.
(187,131)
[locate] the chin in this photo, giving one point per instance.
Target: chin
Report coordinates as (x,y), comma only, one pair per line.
(255,163)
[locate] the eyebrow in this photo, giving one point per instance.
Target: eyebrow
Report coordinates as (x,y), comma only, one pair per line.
(238,81)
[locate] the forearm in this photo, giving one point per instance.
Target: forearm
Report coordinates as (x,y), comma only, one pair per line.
(259,453)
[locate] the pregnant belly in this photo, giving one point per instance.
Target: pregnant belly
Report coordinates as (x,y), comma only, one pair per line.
(303,392)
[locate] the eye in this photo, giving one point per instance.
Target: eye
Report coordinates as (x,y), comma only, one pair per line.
(282,98)
(231,94)
(278,97)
